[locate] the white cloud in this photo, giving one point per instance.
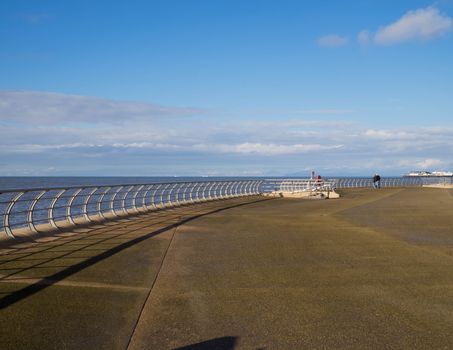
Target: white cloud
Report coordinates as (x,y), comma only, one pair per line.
(264,149)
(158,144)
(35,148)
(424,164)
(242,148)
(50,108)
(325,111)
(430,163)
(389,134)
(332,40)
(421,24)
(149,145)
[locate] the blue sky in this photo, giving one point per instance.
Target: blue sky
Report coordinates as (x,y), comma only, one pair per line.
(191,87)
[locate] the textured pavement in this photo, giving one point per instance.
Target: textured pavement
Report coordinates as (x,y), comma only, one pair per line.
(371,270)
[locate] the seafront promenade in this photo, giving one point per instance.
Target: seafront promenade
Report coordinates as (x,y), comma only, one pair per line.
(373,269)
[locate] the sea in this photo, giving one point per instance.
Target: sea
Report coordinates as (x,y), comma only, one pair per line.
(37,182)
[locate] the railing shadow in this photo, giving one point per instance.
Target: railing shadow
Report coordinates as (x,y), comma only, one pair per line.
(79,242)
(223,343)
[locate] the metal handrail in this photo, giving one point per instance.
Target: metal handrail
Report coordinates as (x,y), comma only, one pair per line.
(385,182)
(43,209)
(115,185)
(271,185)
(299,185)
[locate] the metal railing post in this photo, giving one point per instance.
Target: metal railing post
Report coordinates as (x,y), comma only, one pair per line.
(134,199)
(145,194)
(230,189)
(99,203)
(210,190)
(9,208)
(31,209)
(112,201)
(123,201)
(203,192)
(153,197)
(184,193)
(222,190)
(85,205)
(215,189)
(162,204)
(69,206)
(51,209)
(196,191)
(242,188)
(169,202)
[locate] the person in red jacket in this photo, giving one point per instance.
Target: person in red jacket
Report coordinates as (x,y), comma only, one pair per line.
(318,181)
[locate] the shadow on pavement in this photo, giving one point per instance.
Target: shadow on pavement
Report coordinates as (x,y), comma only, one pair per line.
(50,279)
(224,343)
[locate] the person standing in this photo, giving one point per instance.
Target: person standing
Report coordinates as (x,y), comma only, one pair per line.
(377,181)
(318,181)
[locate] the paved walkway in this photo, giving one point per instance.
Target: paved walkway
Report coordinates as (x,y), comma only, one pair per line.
(373,269)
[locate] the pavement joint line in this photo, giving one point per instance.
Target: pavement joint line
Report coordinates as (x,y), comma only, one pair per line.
(162,264)
(151,288)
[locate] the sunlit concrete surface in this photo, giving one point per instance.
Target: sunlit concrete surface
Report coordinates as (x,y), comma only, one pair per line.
(373,269)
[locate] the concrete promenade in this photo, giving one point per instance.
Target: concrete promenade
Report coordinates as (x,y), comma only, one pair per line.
(371,270)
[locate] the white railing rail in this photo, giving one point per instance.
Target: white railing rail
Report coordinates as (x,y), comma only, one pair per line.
(294,185)
(298,185)
(356,182)
(44,209)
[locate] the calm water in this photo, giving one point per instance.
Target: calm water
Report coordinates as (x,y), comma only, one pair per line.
(27,182)
(18,182)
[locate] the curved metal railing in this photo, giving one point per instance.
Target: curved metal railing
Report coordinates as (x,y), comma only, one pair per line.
(294,185)
(385,182)
(297,185)
(41,209)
